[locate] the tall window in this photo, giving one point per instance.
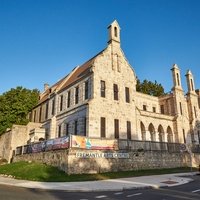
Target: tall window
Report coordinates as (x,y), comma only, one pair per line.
(180,105)
(59,131)
(199,102)
(85,126)
(178,81)
(144,107)
(40,116)
(103,127)
(115,29)
(53,107)
(154,109)
(192,136)
(68,98)
(46,134)
(116,123)
(67,129)
(103,89)
(75,127)
(192,85)
(61,102)
(195,112)
(34,116)
(184,138)
(128,130)
(127,95)
(115,90)
(162,110)
(86,90)
(47,110)
(76,95)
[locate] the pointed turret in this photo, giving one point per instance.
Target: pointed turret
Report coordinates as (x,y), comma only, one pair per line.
(114,32)
(176,77)
(190,82)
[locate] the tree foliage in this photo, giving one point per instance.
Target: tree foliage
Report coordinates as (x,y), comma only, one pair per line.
(15,105)
(149,87)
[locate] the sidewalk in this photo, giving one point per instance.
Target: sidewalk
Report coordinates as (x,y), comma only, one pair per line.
(155,181)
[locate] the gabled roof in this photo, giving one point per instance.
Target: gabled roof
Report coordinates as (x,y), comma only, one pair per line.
(75,75)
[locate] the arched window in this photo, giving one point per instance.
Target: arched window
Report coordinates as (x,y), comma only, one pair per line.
(184,137)
(192,85)
(143,132)
(115,30)
(161,133)
(178,81)
(169,135)
(152,132)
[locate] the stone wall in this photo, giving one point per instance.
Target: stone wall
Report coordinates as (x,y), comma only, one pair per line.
(17,136)
(68,161)
(5,145)
(54,158)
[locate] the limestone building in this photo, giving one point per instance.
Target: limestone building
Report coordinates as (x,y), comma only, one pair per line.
(99,99)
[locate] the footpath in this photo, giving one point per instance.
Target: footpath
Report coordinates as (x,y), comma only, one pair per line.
(155,181)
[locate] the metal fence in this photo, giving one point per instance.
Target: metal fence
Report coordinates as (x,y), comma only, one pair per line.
(122,144)
(138,145)
(195,148)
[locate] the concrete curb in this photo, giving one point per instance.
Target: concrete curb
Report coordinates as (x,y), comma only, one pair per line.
(108,185)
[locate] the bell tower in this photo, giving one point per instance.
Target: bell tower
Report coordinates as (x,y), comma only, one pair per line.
(114,33)
(190,82)
(176,77)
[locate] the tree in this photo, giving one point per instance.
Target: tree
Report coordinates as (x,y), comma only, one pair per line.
(15,106)
(148,87)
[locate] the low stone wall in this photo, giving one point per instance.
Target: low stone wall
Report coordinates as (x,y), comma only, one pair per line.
(74,161)
(136,161)
(57,158)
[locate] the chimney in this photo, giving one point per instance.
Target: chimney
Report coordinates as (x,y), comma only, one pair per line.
(46,86)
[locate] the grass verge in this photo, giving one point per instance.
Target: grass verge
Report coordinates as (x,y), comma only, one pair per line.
(42,172)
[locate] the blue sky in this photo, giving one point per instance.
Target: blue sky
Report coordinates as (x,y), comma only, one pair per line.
(43,40)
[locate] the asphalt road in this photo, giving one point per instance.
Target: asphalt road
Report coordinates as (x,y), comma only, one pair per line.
(190,191)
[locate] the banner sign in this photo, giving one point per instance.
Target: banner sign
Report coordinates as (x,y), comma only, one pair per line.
(49,145)
(38,147)
(61,143)
(102,155)
(52,144)
(93,143)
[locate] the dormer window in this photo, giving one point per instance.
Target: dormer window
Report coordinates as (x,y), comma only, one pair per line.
(115,30)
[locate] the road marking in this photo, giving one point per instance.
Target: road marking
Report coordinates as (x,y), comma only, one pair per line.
(100,197)
(132,195)
(196,191)
(118,193)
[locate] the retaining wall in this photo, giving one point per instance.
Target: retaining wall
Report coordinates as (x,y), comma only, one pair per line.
(75,161)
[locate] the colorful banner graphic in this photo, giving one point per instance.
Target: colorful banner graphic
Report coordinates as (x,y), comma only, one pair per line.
(93,143)
(38,147)
(61,143)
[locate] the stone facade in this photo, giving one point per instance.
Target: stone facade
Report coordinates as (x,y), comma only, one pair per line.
(99,99)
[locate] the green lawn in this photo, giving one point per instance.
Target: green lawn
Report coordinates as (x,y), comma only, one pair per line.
(42,172)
